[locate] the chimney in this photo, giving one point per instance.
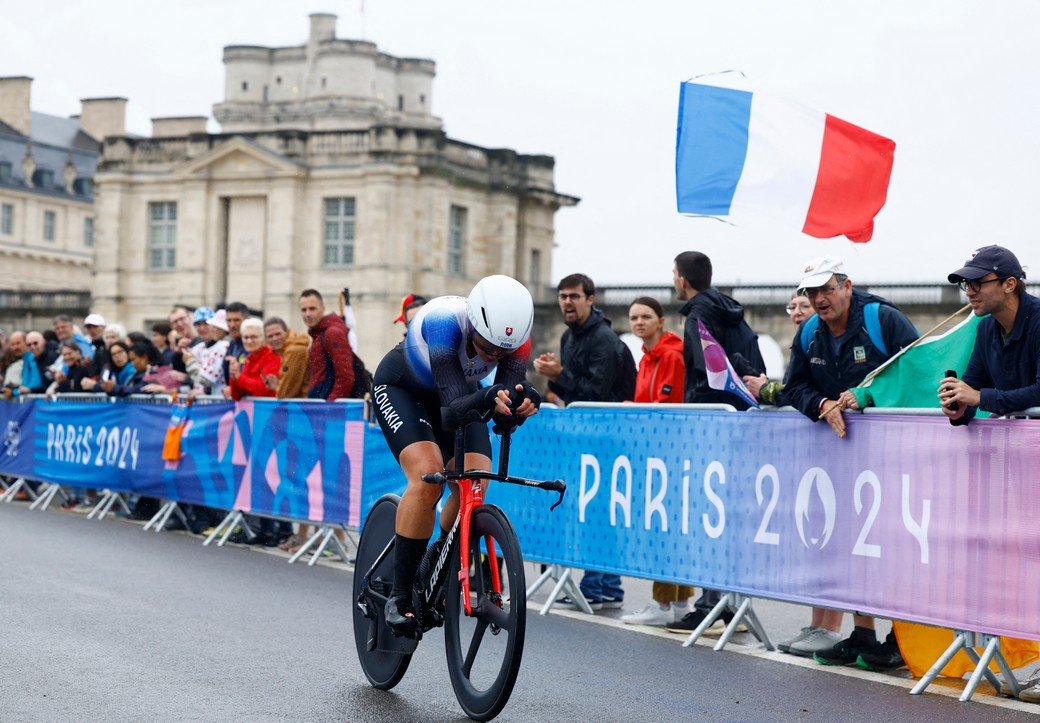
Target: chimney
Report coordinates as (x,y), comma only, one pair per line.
(103,117)
(14,103)
(323,27)
(178,126)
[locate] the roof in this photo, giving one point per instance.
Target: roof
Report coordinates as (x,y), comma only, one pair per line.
(54,130)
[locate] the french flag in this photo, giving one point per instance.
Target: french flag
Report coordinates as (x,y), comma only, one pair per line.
(742,154)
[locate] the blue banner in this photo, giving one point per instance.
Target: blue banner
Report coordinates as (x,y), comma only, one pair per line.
(906,517)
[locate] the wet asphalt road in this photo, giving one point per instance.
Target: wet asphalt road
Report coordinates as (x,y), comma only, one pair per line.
(102,621)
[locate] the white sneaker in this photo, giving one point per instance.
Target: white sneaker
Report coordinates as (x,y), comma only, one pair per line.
(816,640)
(652,614)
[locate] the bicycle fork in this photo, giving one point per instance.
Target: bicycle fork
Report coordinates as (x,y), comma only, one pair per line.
(472,496)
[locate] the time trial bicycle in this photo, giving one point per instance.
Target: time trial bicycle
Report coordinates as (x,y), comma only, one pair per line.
(482,608)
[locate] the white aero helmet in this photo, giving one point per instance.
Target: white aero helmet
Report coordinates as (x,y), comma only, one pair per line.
(501,311)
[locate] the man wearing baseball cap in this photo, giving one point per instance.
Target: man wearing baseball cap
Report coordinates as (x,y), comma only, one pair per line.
(851,334)
(1002,374)
(95,326)
(410,305)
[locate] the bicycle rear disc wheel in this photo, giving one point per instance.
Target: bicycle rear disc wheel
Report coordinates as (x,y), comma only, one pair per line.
(383,666)
(484,649)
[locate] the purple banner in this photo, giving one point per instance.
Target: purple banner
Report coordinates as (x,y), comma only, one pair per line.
(907,517)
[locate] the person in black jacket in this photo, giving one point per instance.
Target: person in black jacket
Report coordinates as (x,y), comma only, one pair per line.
(723,317)
(590,368)
(841,351)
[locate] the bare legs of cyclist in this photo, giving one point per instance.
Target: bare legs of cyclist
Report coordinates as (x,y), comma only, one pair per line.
(415,524)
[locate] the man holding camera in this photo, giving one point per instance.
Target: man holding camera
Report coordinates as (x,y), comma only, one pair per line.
(1002,372)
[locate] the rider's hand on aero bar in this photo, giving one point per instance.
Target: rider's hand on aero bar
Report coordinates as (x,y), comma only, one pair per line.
(469,408)
(516,398)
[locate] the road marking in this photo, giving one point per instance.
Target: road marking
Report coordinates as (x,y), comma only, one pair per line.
(938,688)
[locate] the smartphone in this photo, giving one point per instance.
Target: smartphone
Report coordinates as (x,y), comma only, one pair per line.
(956,405)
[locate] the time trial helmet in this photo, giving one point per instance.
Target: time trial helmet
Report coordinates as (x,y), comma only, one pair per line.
(501,311)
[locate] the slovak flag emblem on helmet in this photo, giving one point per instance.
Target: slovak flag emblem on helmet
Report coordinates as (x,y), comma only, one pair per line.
(509,331)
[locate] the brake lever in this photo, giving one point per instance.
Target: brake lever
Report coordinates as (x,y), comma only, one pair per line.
(562,490)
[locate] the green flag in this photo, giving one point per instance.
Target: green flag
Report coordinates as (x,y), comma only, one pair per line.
(911,379)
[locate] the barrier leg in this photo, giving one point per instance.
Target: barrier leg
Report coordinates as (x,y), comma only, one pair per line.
(758,629)
(237,520)
(217,530)
(959,643)
(981,669)
(1009,675)
(742,609)
(44,500)
(542,579)
(341,550)
(113,498)
(157,516)
(714,615)
(311,541)
(98,505)
(13,490)
(328,532)
(174,509)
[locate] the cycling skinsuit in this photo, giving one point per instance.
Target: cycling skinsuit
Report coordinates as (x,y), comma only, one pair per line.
(430,368)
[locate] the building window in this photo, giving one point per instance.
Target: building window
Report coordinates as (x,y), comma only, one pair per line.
(162,236)
(88,232)
(83,186)
(422,100)
(5,172)
(48,225)
(457,241)
(324,82)
(278,80)
(400,102)
(43,178)
(534,275)
(339,232)
(6,219)
(245,85)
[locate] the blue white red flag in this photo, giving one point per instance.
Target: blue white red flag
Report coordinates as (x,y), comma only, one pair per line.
(721,375)
(742,155)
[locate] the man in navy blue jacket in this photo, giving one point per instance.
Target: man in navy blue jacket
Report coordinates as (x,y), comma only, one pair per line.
(844,344)
(1002,374)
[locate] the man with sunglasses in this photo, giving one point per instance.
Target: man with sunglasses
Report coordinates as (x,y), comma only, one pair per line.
(1002,374)
(428,386)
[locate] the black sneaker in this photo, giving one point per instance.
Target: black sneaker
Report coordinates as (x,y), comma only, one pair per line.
(885,656)
(692,620)
(845,652)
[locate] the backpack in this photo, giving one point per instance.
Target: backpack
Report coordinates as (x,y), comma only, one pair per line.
(625,384)
(362,379)
(870,320)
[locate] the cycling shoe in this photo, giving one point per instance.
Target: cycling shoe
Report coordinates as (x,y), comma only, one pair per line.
(400,617)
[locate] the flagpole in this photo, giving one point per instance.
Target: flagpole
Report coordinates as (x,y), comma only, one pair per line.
(867,379)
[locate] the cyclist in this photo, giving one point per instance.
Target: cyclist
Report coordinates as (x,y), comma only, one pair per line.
(428,386)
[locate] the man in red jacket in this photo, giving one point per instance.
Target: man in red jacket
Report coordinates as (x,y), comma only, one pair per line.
(331,360)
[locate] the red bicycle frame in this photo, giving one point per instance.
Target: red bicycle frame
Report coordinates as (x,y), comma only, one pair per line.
(471,496)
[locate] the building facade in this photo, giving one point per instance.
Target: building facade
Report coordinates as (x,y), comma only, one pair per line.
(47,223)
(330,172)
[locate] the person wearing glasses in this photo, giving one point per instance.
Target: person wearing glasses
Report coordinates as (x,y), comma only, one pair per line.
(845,346)
(427,386)
(799,308)
(594,365)
(1002,374)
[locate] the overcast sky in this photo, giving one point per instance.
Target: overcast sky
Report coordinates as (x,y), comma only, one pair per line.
(595,84)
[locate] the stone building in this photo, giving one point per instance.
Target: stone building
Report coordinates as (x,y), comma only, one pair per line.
(47,166)
(330,172)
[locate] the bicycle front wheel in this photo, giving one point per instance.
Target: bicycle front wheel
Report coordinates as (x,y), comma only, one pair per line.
(484,649)
(383,657)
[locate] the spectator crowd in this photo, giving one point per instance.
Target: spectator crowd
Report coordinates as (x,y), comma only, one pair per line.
(840,335)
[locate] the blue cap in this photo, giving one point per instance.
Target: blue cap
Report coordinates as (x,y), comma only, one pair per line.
(202,314)
(989,260)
